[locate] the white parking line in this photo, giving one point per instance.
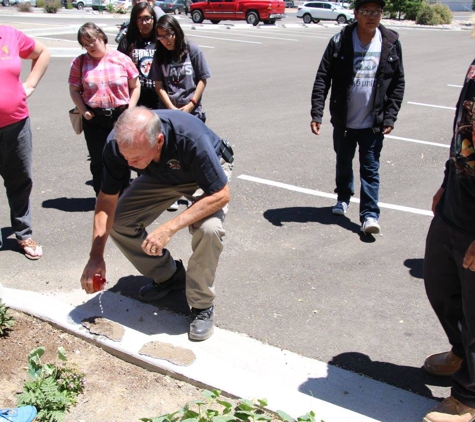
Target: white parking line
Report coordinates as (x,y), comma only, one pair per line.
(224,39)
(256,36)
(417,141)
(431,105)
(330,195)
(455,86)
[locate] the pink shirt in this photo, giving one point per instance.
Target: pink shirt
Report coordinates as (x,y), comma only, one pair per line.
(105,81)
(14,46)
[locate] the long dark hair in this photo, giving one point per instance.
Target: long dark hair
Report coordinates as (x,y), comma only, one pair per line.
(169,24)
(133,35)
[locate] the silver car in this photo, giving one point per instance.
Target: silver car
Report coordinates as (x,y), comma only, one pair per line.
(316,11)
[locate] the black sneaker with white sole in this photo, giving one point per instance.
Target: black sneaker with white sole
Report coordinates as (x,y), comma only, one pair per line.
(154,291)
(202,326)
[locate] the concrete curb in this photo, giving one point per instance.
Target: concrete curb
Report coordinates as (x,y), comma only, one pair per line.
(233,363)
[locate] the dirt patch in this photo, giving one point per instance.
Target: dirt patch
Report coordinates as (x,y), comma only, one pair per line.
(174,354)
(116,391)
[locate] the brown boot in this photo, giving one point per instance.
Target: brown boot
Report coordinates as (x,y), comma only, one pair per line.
(450,410)
(442,364)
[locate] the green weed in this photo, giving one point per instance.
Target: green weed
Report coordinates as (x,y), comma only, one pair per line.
(6,320)
(52,388)
(218,409)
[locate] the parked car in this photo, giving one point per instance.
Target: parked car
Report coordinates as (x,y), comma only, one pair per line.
(5,3)
(17,2)
(252,11)
(316,11)
(94,4)
(175,6)
(289,3)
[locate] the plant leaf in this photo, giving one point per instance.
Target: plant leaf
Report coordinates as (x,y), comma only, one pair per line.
(285,417)
(62,354)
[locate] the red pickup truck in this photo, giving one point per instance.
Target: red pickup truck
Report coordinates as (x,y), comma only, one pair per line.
(253,11)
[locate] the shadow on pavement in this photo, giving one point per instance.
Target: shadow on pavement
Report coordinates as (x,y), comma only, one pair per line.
(323,215)
(408,378)
(134,314)
(416,267)
(71,204)
(174,301)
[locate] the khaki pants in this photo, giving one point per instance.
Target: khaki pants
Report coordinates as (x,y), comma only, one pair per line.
(142,203)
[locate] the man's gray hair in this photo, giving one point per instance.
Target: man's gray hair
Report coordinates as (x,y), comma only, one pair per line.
(133,123)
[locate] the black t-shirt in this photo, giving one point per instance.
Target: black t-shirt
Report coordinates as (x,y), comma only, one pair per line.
(190,154)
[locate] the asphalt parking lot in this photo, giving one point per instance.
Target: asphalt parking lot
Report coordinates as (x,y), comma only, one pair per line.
(292,274)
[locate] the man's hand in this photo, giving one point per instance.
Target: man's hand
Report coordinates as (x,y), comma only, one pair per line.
(387,130)
(94,266)
(436,198)
(469,258)
(157,241)
(315,126)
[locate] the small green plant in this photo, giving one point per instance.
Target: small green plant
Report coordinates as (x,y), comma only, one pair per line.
(52,6)
(24,6)
(6,320)
(52,388)
(436,14)
(444,13)
(217,409)
(111,8)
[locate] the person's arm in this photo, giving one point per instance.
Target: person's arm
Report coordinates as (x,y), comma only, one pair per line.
(134,91)
(469,258)
(75,93)
(200,87)
(103,220)
(208,205)
(394,94)
(40,59)
(163,95)
(321,86)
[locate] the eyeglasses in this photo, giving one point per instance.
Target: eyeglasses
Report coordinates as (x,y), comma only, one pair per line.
(166,37)
(144,19)
(89,45)
(367,12)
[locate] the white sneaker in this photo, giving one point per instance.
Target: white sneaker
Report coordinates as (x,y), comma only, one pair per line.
(173,207)
(340,208)
(370,226)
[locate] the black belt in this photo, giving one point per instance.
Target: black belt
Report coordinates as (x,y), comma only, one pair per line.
(108,112)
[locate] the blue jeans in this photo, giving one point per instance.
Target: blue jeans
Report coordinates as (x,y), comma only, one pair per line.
(370,145)
(16,171)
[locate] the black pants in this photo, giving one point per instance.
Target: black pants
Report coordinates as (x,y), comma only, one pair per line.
(451,292)
(96,132)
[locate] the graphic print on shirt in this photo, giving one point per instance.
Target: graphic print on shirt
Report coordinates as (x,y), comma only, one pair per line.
(5,53)
(175,73)
(464,151)
(365,67)
(174,164)
(143,59)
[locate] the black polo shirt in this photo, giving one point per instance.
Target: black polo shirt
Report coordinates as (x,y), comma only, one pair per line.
(190,154)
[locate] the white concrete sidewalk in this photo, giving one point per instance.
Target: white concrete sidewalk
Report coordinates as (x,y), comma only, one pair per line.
(230,362)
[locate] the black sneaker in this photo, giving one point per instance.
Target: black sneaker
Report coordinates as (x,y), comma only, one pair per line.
(202,326)
(155,291)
